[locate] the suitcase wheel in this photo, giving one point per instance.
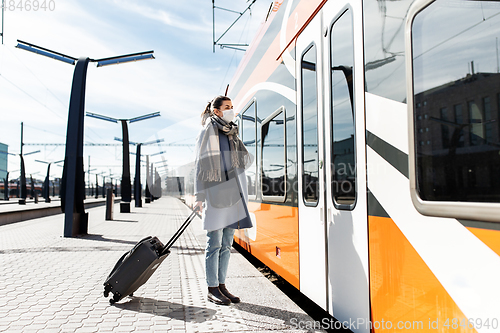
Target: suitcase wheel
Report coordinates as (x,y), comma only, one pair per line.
(116,298)
(107,289)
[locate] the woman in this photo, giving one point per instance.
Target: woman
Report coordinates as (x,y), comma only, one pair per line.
(220,183)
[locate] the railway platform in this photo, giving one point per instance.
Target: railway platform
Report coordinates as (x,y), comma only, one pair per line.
(49,283)
(11,211)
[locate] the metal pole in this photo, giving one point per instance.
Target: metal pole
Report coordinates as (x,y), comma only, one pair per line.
(6,187)
(89,173)
(73,184)
(148,182)
(213,23)
(126,186)
(22,138)
(234,22)
(46,186)
(137,179)
(22,177)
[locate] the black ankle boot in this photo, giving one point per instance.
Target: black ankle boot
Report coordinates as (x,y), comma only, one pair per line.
(223,289)
(215,296)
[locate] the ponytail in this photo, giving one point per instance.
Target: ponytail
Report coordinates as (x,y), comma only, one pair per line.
(214,104)
(206,113)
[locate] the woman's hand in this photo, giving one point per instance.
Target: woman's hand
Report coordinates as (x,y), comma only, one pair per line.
(198,206)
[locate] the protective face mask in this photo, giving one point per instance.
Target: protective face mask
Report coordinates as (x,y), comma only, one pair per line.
(228,115)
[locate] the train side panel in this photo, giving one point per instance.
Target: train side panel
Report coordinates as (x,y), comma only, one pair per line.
(428,272)
(428,127)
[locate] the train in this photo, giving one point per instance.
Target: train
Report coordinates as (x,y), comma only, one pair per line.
(375,188)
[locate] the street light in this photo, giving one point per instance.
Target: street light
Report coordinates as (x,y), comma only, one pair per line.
(137,179)
(97,185)
(125,58)
(6,185)
(6,179)
(126,190)
(151,185)
(73,184)
(46,183)
(22,177)
(90,189)
(48,53)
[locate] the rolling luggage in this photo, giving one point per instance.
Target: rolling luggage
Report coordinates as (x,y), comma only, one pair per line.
(136,266)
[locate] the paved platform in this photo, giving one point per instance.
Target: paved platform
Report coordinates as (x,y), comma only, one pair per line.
(11,211)
(49,283)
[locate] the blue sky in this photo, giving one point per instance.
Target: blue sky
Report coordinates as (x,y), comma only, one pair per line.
(185,75)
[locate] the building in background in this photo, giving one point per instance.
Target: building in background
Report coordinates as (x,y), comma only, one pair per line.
(3,160)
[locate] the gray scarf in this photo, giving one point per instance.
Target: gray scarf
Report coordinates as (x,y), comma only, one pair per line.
(209,155)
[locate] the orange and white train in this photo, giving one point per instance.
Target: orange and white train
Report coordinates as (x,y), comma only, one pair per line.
(376,185)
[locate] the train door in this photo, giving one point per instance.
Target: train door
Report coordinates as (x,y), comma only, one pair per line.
(344,157)
(312,228)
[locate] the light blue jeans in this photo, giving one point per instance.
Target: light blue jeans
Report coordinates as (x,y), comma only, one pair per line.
(217,254)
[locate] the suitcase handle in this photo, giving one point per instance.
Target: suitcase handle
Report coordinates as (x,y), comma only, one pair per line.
(179,232)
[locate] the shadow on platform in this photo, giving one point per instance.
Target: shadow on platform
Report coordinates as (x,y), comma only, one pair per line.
(125,221)
(100,238)
(267,311)
(177,311)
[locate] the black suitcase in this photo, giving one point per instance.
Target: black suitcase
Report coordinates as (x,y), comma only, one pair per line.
(136,266)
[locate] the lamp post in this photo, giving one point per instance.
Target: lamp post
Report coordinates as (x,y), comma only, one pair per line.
(91,190)
(22,177)
(6,179)
(102,187)
(152,175)
(46,183)
(32,191)
(96,187)
(148,183)
(126,190)
(152,179)
(137,179)
(73,183)
(6,186)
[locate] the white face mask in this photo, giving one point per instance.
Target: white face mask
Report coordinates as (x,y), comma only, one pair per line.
(228,115)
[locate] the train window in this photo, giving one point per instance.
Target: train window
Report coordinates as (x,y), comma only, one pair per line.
(342,113)
(310,165)
(455,67)
(273,134)
(248,136)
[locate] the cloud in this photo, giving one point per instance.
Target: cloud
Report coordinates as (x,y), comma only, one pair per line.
(162,16)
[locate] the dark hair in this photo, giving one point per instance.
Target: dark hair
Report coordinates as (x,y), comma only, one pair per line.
(216,103)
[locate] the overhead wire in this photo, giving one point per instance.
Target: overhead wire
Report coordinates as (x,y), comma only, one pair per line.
(29,95)
(234,54)
(36,77)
